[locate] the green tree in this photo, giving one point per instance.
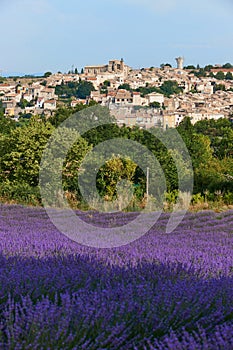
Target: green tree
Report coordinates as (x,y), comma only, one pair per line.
(81,89)
(24,119)
(125,86)
(170,87)
(220,133)
(208,176)
(185,127)
(200,73)
(112,172)
(229,76)
(84,89)
(220,75)
(6,124)
(23,103)
(165,65)
(208,67)
(155,104)
(106,83)
(21,152)
(62,113)
(1,109)
(71,163)
(227,65)
(47,74)
(103,89)
(190,67)
(147,90)
(221,87)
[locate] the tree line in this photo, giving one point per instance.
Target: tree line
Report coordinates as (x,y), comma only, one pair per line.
(209,144)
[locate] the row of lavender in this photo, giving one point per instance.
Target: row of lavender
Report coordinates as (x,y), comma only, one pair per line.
(164,291)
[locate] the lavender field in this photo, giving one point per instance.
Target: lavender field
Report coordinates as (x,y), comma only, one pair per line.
(163,291)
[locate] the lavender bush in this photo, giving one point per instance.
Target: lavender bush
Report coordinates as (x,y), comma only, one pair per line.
(163,291)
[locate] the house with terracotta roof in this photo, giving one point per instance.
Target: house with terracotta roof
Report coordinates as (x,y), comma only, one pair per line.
(50,104)
(47,93)
(220,69)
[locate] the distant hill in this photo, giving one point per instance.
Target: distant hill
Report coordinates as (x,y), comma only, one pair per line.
(20,74)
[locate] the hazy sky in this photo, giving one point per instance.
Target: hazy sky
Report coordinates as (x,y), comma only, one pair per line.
(42,35)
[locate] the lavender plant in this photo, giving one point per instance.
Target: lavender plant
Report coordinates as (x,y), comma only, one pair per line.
(163,291)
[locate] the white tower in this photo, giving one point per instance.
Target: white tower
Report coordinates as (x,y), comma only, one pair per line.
(180,61)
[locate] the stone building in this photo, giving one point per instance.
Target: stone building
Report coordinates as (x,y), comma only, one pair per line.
(113,66)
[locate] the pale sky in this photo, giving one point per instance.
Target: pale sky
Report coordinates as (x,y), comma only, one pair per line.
(52,35)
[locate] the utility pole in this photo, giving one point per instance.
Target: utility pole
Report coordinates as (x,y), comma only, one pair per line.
(147,181)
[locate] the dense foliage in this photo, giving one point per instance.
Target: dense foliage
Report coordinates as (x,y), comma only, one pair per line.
(1,110)
(168,88)
(209,144)
(81,89)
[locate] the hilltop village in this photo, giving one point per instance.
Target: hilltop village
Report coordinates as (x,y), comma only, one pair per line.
(148,97)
